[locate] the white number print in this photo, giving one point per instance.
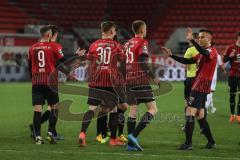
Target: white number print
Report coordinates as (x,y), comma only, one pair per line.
(41,58)
(105,54)
(129,54)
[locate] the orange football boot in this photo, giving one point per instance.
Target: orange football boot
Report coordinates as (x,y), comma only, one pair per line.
(82,139)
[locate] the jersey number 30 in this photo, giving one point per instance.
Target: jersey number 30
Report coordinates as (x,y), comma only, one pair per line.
(105,54)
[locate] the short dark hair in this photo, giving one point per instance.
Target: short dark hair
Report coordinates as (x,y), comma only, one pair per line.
(44,29)
(54,29)
(206,30)
(107,25)
(195,35)
(136,25)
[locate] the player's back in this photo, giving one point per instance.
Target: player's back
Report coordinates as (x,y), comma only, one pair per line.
(43,57)
(134,48)
(104,55)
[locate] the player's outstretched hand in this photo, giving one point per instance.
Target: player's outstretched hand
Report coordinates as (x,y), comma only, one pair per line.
(189,34)
(166,51)
(80,52)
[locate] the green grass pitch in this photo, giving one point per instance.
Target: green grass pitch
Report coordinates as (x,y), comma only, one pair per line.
(159,140)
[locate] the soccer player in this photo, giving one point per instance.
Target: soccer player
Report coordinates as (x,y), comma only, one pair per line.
(209,102)
(191,71)
(104,56)
(102,125)
(139,90)
(206,61)
(54,114)
(42,58)
(232,54)
(48,114)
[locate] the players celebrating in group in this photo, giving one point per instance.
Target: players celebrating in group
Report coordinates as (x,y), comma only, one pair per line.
(119,76)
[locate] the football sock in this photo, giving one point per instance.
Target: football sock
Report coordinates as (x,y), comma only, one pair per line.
(232,103)
(102,123)
(45,116)
(131,124)
(121,121)
(147,117)
(87,120)
(37,123)
(205,116)
(206,130)
(53,121)
(189,127)
(113,124)
(98,124)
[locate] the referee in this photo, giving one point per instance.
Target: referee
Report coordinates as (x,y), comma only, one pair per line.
(191,68)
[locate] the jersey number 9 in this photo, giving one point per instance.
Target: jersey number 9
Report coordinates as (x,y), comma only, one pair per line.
(41,58)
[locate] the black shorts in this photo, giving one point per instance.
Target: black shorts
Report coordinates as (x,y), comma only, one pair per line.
(234,84)
(197,99)
(139,94)
(105,96)
(40,93)
(188,87)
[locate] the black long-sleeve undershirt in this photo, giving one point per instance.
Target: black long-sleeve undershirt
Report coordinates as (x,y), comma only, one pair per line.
(62,66)
(200,49)
(62,63)
(184,60)
(143,64)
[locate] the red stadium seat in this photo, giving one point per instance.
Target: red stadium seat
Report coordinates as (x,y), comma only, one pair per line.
(222,16)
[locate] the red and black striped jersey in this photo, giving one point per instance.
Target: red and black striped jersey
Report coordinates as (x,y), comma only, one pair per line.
(43,57)
(235,61)
(205,71)
(104,56)
(133,49)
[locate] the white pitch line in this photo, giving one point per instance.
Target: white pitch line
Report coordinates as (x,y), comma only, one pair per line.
(126,154)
